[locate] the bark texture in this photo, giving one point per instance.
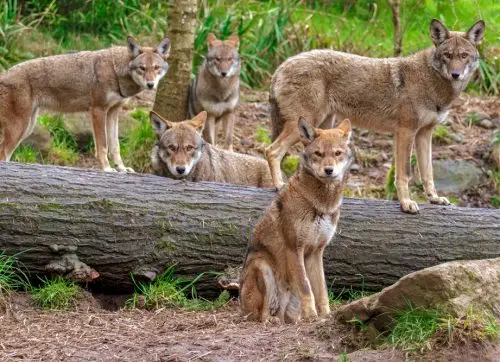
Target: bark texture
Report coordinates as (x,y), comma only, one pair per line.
(172,95)
(396,22)
(82,222)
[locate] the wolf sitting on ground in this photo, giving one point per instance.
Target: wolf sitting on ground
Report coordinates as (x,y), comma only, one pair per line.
(405,96)
(283,273)
(216,88)
(181,153)
(100,81)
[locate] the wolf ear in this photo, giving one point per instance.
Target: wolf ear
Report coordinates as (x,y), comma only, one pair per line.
(476,32)
(345,126)
(212,40)
(307,132)
(164,48)
(439,33)
(133,48)
(234,40)
(160,125)
(198,122)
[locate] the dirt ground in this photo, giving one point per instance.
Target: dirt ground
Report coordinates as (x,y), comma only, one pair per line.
(92,333)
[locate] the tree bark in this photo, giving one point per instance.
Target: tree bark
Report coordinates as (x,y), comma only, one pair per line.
(396,22)
(56,219)
(172,95)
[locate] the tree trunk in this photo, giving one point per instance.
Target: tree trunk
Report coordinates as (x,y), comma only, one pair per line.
(58,218)
(172,95)
(396,22)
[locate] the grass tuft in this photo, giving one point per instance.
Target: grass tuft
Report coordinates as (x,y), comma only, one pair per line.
(390,184)
(12,277)
(56,294)
(64,148)
(290,164)
(167,291)
(262,135)
(442,135)
(25,154)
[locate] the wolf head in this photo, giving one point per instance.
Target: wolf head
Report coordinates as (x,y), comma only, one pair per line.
(327,155)
(147,65)
(179,144)
(223,59)
(456,56)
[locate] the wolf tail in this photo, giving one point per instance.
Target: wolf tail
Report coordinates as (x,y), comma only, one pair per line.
(276,121)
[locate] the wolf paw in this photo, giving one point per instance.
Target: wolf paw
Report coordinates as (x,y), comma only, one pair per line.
(309,314)
(409,206)
(109,169)
(438,200)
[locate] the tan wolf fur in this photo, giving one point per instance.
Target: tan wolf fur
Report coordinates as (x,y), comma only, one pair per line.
(96,81)
(283,273)
(181,153)
(216,88)
(406,96)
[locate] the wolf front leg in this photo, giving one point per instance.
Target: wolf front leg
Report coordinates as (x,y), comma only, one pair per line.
(423,143)
(228,124)
(209,133)
(300,282)
(316,275)
(113,141)
(403,145)
(100,137)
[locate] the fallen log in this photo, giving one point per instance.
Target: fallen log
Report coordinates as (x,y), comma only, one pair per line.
(106,226)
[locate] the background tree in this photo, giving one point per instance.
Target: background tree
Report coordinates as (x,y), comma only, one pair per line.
(172,95)
(395,6)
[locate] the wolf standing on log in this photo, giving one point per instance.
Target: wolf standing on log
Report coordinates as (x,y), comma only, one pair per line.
(100,81)
(216,88)
(283,274)
(404,96)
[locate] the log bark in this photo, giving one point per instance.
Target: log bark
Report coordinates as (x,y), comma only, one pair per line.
(172,95)
(123,224)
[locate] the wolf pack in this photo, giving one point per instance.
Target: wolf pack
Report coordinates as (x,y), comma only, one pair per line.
(315,98)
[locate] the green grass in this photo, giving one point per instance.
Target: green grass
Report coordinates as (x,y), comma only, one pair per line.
(390,184)
(25,154)
(12,277)
(262,135)
(167,291)
(64,148)
(349,294)
(136,146)
(290,164)
(56,294)
(495,201)
(441,135)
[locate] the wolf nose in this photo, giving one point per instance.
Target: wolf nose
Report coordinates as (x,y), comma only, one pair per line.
(150,85)
(455,75)
(328,171)
(180,170)
(223,74)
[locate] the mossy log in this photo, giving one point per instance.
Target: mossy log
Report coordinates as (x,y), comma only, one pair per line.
(106,227)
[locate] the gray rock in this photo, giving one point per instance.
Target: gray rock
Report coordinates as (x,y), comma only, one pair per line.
(457,137)
(355,167)
(40,139)
(453,287)
(452,176)
(486,123)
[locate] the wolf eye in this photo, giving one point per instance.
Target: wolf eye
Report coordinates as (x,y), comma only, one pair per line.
(143,68)
(338,153)
(217,59)
(171,148)
(447,55)
(189,148)
(464,55)
(318,154)
(157,67)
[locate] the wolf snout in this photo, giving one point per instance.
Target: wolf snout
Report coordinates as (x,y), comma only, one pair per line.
(455,75)
(328,171)
(150,85)
(180,170)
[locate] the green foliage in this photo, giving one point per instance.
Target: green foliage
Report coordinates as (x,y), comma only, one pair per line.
(136,146)
(495,201)
(472,118)
(12,277)
(473,326)
(347,295)
(64,148)
(56,294)
(289,165)
(390,184)
(168,291)
(413,328)
(262,135)
(442,135)
(496,138)
(25,154)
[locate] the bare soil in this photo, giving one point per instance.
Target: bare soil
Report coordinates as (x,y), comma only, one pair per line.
(91,333)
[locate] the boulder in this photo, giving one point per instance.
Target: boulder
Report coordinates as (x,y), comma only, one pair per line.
(40,139)
(454,176)
(452,287)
